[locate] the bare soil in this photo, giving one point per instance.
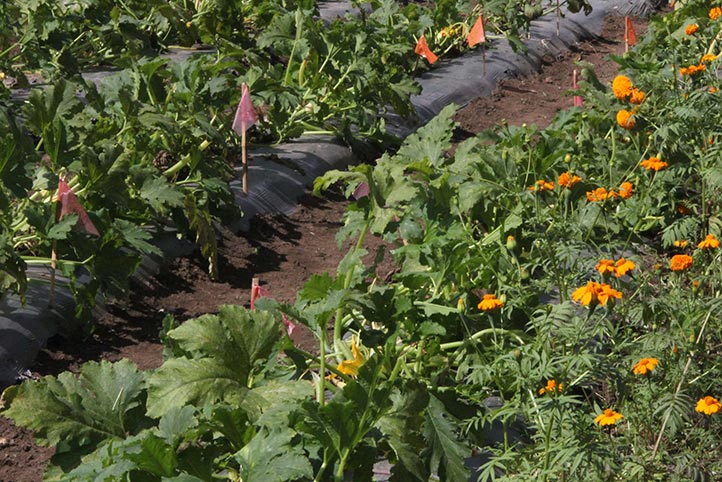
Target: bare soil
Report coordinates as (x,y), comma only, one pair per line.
(283,252)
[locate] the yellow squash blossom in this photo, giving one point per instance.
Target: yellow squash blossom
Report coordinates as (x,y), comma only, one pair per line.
(350,367)
(490,303)
(622,87)
(708,405)
(709,242)
(644,366)
(653,164)
(680,262)
(608,417)
(551,387)
(625,119)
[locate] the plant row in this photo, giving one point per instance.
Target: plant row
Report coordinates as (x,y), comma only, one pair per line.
(150,144)
(554,313)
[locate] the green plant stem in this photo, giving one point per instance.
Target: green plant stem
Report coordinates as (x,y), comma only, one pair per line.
(321,389)
(668,413)
(547,452)
(339,346)
(487,331)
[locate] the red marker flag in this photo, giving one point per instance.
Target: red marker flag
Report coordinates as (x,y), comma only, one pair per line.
(422,48)
(69,204)
(245,114)
(578,102)
(477,35)
(630,36)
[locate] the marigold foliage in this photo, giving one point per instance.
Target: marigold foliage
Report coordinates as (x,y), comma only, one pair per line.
(608,417)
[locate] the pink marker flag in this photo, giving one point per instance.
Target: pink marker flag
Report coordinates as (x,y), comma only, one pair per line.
(245,114)
(69,204)
(578,102)
(477,35)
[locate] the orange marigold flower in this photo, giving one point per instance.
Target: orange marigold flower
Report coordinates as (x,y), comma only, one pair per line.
(594,292)
(625,119)
(692,69)
(567,179)
(712,90)
(637,96)
(599,194)
(608,417)
(682,209)
(490,303)
(681,243)
(680,262)
(691,29)
(653,164)
(708,405)
(625,190)
(644,366)
(623,266)
(709,242)
(605,266)
(715,13)
(551,387)
(706,58)
(622,87)
(541,185)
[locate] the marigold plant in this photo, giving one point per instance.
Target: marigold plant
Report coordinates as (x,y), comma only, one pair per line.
(622,87)
(490,302)
(626,189)
(681,243)
(541,185)
(551,387)
(567,179)
(691,29)
(637,97)
(594,292)
(608,417)
(715,13)
(625,119)
(680,262)
(644,366)
(653,164)
(709,242)
(708,405)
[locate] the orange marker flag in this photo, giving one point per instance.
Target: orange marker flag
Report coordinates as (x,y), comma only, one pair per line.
(578,102)
(477,34)
(630,36)
(422,48)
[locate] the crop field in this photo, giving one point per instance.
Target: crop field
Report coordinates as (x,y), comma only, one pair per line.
(549,307)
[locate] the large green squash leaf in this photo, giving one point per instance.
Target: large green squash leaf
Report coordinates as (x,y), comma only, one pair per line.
(445,452)
(272,456)
(222,350)
(105,401)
